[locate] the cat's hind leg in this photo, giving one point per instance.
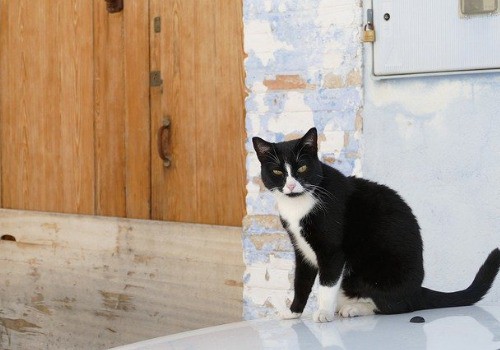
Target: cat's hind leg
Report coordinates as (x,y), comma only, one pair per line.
(351,307)
(358,309)
(343,299)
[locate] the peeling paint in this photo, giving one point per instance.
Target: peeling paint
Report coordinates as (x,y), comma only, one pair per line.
(260,241)
(333,81)
(262,224)
(288,82)
(354,78)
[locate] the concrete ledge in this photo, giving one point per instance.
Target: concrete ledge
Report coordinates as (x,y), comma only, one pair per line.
(72,281)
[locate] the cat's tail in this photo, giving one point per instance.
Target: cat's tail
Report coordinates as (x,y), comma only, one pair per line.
(480,286)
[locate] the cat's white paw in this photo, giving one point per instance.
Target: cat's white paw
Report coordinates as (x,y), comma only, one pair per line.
(349,310)
(289,315)
(323,316)
(357,309)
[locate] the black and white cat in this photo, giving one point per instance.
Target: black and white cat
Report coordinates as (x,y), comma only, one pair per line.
(359,236)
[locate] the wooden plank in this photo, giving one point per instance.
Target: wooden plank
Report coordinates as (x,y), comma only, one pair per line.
(46,97)
(229,121)
(201,56)
(109,112)
(4,42)
(155,102)
(86,282)
(175,188)
(75,132)
(137,110)
(48,100)
(179,103)
(206,133)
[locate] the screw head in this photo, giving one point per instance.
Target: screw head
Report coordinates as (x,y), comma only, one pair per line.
(387,16)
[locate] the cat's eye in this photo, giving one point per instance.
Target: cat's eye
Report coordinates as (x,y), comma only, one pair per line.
(277,172)
(302,169)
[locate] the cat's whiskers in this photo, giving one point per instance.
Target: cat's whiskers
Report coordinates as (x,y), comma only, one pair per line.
(321,203)
(321,190)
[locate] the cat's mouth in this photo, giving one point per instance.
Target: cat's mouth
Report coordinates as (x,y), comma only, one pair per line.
(294,194)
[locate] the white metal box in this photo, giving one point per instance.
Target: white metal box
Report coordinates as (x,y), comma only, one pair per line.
(435,36)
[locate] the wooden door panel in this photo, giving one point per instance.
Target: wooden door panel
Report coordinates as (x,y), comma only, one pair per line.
(74,94)
(122,114)
(174,188)
(109,109)
(137,110)
(207,134)
(46,72)
(230,116)
(77,112)
(199,52)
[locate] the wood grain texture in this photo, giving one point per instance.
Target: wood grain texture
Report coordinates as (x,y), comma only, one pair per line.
(76,282)
(109,112)
(122,112)
(137,110)
(231,93)
(175,187)
(75,107)
(46,105)
(155,105)
(78,114)
(201,56)
(208,140)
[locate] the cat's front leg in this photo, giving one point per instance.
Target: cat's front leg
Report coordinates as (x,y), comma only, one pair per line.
(305,274)
(330,278)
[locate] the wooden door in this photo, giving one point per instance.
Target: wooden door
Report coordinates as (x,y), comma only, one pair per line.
(79,119)
(47,112)
(74,107)
(199,52)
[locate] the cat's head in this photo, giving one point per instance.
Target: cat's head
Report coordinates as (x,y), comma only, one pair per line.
(290,167)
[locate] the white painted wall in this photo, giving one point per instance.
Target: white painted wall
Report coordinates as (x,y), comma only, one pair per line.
(436,140)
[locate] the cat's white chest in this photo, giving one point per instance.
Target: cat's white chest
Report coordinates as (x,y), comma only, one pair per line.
(292,210)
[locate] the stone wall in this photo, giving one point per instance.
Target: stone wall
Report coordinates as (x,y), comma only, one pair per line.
(304,69)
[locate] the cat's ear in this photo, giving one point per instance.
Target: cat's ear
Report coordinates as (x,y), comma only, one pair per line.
(261,147)
(310,140)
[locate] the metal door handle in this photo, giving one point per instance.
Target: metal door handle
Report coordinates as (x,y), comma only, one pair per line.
(163,137)
(114,6)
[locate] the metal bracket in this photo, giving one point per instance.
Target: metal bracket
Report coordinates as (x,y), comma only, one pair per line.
(157,24)
(155,78)
(114,6)
(369,16)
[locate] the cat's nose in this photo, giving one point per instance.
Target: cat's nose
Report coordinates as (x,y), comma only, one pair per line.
(290,186)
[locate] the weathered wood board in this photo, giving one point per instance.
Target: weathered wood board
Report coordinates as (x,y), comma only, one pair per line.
(80,282)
